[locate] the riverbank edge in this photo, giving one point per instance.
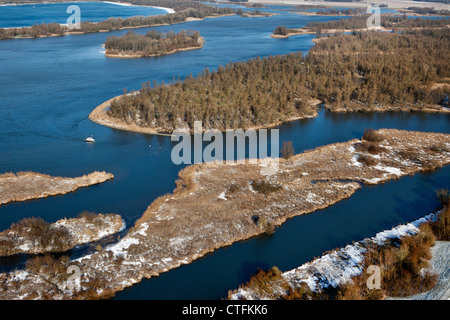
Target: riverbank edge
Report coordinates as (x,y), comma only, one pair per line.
(83,236)
(349,261)
(93,178)
(99,116)
(138,55)
(139,230)
(168,10)
(181,192)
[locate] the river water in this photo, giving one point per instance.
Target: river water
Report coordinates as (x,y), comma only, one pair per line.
(49,86)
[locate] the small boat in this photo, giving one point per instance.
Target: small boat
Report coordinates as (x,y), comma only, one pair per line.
(90,139)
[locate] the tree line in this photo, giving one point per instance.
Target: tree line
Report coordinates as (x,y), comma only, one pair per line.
(152,43)
(419,10)
(359,71)
(343,11)
(184,9)
(360,22)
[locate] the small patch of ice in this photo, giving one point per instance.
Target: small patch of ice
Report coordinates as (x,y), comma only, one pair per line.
(222,196)
(391,170)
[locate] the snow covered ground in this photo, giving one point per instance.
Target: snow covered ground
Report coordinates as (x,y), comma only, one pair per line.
(339,266)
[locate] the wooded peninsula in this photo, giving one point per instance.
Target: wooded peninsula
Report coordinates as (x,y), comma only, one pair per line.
(366,71)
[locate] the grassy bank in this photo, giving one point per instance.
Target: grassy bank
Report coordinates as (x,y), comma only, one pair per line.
(217,204)
(402,254)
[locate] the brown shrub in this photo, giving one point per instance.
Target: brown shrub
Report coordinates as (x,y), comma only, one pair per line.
(32,226)
(287,150)
(372,136)
(410,154)
(367,160)
(89,216)
(233,188)
(41,233)
(264,187)
(265,224)
(443,196)
(370,147)
(302,292)
(441,225)
(352,290)
(262,281)
(48,266)
(439,148)
(7,246)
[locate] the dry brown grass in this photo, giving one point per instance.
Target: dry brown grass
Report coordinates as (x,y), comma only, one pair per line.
(24,186)
(34,235)
(214,204)
(404,265)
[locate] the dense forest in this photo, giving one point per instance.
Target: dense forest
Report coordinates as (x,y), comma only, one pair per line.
(184,9)
(343,11)
(152,43)
(359,22)
(360,71)
(440,12)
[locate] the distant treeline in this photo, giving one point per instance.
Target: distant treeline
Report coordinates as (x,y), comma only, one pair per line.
(283,31)
(360,71)
(152,43)
(441,12)
(386,21)
(440,1)
(343,11)
(184,9)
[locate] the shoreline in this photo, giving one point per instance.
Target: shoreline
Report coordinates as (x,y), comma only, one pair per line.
(339,267)
(67,33)
(124,4)
(393,4)
(142,55)
(24,186)
(80,230)
(310,181)
(99,116)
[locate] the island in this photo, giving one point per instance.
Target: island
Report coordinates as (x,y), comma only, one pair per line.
(333,12)
(24,186)
(359,24)
(411,258)
(180,11)
(152,44)
(34,235)
(217,204)
(263,92)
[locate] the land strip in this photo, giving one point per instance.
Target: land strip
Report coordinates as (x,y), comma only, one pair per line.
(34,235)
(215,205)
(24,186)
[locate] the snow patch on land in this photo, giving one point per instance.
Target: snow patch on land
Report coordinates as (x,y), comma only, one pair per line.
(339,266)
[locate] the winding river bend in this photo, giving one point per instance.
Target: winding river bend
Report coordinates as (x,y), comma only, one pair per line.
(49,86)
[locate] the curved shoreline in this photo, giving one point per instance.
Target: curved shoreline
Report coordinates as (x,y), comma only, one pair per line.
(342,265)
(25,186)
(75,32)
(80,230)
(99,116)
(133,55)
(181,227)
